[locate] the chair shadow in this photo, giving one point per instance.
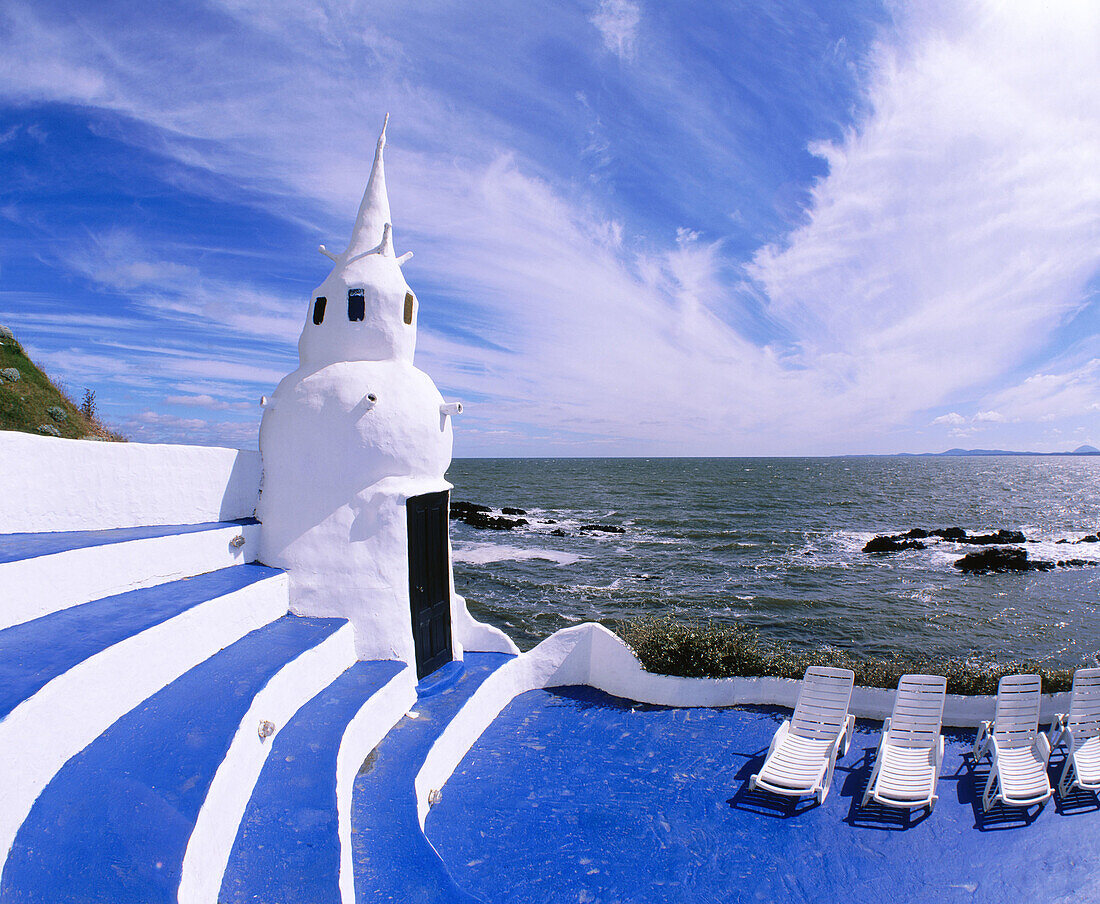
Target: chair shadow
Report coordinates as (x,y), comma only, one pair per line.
(874,815)
(764,803)
(999,818)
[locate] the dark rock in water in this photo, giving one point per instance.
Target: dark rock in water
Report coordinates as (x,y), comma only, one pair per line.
(604,528)
(513,511)
(557,532)
(915,534)
(949,533)
(1062,541)
(999,558)
(1075,563)
(493,522)
(463,510)
(1001,536)
(891,544)
(1091,538)
(547,521)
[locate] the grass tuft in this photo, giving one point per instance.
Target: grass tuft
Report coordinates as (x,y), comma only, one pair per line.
(702,649)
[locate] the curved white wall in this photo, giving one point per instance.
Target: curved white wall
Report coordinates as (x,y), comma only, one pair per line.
(53,484)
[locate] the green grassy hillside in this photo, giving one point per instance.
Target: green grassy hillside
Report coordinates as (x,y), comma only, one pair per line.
(33,401)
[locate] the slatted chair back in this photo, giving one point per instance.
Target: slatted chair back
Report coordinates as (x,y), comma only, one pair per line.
(1084,706)
(822,703)
(1016,721)
(918,711)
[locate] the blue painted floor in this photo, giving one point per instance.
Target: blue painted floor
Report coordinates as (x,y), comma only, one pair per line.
(288,846)
(572,795)
(35,652)
(393,860)
(114,823)
(29,546)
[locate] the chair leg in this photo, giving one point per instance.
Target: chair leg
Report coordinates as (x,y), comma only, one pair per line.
(989,785)
(1064,783)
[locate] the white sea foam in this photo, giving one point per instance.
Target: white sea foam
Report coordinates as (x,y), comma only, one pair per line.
(483,553)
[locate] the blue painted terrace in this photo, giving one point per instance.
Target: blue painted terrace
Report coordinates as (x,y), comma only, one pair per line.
(573,795)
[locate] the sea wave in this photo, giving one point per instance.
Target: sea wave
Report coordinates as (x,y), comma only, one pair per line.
(483,553)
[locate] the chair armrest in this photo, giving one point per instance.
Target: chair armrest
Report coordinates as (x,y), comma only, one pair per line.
(981,742)
(779,735)
(1042,746)
(939,753)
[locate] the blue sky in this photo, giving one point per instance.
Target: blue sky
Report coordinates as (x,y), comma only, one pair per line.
(640,228)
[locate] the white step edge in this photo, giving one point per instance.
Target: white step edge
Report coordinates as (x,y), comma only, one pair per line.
(219,819)
(365,731)
(43,732)
(31,588)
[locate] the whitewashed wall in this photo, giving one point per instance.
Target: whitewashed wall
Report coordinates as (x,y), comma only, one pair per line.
(49,484)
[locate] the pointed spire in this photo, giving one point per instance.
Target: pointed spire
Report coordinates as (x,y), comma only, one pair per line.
(374,212)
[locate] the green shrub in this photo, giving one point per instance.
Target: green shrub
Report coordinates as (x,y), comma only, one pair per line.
(702,649)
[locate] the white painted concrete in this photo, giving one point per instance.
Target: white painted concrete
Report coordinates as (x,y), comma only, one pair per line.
(348,438)
(589,654)
(72,710)
(219,819)
(31,588)
(50,484)
(370,725)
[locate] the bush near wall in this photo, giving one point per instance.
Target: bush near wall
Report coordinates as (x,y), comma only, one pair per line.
(701,649)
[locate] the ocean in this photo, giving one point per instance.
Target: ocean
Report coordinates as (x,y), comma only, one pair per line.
(776,543)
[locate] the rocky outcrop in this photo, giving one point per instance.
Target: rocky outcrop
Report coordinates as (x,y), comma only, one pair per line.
(1000,559)
(603,528)
(892,544)
(911,539)
(508,510)
(460,511)
(477,515)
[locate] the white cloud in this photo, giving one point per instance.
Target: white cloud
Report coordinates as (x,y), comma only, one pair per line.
(952,418)
(991,417)
(955,231)
(1073,393)
(617,22)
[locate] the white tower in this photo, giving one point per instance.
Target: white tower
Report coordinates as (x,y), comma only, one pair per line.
(355,445)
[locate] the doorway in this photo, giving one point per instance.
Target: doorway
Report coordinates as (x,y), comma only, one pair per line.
(429,580)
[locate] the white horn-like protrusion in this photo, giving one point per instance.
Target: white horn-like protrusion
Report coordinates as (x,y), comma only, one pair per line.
(404,257)
(385,247)
(326,252)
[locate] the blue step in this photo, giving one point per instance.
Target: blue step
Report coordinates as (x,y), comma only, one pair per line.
(393,859)
(114,823)
(288,846)
(35,652)
(14,547)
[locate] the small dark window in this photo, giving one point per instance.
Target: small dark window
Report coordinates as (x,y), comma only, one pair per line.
(319,309)
(409,307)
(357,305)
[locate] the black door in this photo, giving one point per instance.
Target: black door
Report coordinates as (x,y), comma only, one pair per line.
(429,581)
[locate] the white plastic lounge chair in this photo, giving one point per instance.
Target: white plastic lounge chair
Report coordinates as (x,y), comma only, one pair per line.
(804,750)
(1080,729)
(907,765)
(1018,750)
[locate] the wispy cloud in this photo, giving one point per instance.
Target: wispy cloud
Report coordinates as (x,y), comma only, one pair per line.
(644,256)
(617,22)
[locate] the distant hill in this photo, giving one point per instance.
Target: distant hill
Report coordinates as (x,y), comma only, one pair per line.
(956,453)
(30,402)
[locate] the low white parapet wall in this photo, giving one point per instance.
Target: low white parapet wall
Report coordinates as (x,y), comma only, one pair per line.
(591,655)
(51,484)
